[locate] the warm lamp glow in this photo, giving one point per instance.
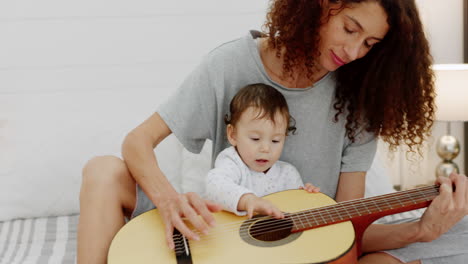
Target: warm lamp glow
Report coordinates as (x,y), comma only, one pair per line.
(451,85)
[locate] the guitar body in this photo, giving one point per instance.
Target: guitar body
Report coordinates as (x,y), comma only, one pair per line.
(142,240)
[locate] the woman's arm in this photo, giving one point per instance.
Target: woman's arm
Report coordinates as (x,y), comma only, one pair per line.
(351,185)
(138,153)
(445,211)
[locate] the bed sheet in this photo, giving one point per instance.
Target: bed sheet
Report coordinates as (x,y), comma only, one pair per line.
(39,241)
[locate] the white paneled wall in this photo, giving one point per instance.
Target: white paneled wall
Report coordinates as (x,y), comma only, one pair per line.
(443,21)
(56,45)
(52,9)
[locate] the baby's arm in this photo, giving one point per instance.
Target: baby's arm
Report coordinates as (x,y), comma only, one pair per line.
(224,186)
(310,188)
(223,183)
(251,203)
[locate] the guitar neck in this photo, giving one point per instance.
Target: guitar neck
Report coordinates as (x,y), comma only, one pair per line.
(373,207)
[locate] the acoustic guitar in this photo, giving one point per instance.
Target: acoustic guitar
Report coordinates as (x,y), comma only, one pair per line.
(315,229)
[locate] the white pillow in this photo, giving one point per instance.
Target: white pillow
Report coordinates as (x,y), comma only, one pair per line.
(194,169)
(378,180)
(46,138)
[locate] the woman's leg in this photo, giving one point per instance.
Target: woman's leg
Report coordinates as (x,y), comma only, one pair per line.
(107,196)
(382,258)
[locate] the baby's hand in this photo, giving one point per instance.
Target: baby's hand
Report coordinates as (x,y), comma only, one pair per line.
(251,203)
(310,188)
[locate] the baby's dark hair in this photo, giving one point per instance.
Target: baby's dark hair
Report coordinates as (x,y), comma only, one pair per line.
(263,97)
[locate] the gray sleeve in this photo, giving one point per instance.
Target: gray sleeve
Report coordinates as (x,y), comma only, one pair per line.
(358,155)
(190,112)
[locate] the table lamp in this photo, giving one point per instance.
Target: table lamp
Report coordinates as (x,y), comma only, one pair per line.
(451,86)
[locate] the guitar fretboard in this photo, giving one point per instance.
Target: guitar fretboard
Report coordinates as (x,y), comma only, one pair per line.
(378,206)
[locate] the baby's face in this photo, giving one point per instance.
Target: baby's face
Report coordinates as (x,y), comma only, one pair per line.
(259,142)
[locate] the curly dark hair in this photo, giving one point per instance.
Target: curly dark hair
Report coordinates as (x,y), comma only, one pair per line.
(390,91)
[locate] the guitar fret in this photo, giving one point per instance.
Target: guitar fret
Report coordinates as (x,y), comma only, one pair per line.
(388,204)
(377,206)
(346,210)
(316,222)
(424,195)
(338,213)
(412,200)
(402,204)
(359,208)
(330,216)
(300,220)
(309,224)
(355,209)
(324,221)
(367,208)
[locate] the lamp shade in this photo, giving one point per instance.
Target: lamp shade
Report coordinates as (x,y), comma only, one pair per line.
(451,86)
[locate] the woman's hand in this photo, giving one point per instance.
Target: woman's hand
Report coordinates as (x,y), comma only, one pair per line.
(190,206)
(251,203)
(446,209)
(310,188)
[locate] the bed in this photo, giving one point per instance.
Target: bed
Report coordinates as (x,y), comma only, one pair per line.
(39,240)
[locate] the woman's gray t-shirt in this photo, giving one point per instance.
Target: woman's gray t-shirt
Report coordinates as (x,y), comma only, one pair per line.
(320,149)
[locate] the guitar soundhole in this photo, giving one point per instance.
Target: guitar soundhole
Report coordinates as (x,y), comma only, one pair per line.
(268,232)
(271,229)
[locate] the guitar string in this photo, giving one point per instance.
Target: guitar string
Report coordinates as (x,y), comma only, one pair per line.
(207,239)
(203,244)
(354,202)
(316,212)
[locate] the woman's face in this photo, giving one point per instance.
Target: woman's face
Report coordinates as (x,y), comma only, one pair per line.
(351,33)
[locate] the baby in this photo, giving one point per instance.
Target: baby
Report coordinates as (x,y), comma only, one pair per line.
(257,127)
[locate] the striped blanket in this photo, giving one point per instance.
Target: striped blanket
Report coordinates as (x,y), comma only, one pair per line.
(40,240)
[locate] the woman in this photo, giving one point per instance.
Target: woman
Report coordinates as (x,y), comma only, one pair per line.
(350,71)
